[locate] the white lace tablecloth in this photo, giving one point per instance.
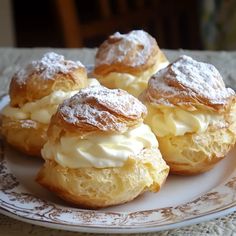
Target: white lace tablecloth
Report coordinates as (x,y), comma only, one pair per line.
(11,59)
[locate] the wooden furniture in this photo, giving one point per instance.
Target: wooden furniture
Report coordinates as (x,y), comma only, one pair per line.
(173,23)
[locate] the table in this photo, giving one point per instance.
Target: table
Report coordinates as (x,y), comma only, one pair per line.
(11,59)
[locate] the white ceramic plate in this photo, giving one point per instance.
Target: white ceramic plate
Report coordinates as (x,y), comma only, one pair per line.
(182,200)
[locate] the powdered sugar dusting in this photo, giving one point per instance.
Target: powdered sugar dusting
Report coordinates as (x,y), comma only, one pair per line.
(28,124)
(102,107)
(50,64)
(188,77)
(135,45)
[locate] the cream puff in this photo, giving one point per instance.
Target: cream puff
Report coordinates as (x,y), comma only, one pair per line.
(127,61)
(192,114)
(99,153)
(35,93)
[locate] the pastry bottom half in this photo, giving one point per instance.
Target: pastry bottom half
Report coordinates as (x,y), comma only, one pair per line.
(196,153)
(93,188)
(27,136)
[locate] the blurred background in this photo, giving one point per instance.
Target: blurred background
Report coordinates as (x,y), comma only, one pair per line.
(187,24)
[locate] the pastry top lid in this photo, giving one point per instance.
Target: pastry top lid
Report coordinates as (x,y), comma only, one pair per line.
(40,78)
(131,53)
(187,82)
(99,109)
(47,67)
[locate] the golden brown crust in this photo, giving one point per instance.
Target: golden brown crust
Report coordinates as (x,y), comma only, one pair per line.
(189,84)
(192,154)
(117,185)
(33,82)
(93,111)
(41,78)
(130,53)
(97,109)
(26,136)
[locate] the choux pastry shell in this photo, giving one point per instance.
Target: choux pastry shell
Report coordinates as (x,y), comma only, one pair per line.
(35,92)
(99,153)
(192,114)
(127,61)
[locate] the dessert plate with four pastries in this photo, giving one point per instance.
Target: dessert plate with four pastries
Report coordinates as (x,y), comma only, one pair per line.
(138,144)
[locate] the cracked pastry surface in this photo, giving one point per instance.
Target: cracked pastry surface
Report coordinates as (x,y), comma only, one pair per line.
(127,61)
(192,114)
(35,93)
(99,153)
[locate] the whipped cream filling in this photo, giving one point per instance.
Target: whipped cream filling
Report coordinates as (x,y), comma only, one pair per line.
(100,151)
(232,116)
(176,121)
(41,110)
(93,82)
(134,84)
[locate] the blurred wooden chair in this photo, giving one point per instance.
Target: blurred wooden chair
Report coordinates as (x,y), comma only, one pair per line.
(173,23)
(75,32)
